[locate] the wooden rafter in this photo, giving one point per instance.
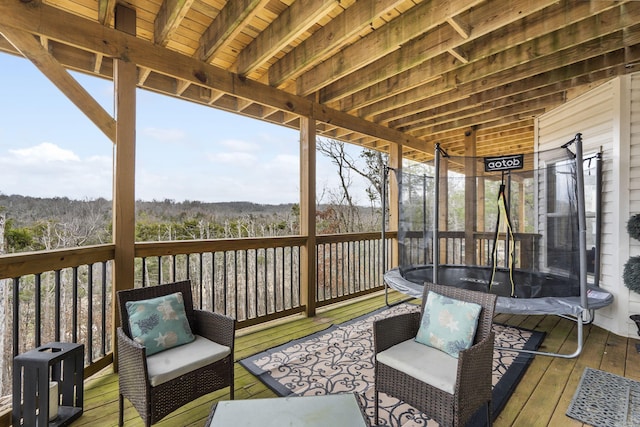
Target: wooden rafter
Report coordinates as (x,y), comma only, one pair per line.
(105,11)
(231,20)
(169,63)
(541,24)
(169,18)
(328,39)
(482,101)
(461,27)
(294,20)
(489,115)
(515,64)
(47,64)
(432,44)
(412,72)
(391,37)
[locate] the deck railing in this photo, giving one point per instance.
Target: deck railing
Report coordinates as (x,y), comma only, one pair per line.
(256,280)
(350,265)
(66,295)
(253,280)
(59,295)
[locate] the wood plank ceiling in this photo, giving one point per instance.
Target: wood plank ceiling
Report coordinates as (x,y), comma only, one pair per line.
(372,72)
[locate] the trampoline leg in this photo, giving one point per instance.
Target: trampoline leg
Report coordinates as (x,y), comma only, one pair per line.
(393,304)
(576,353)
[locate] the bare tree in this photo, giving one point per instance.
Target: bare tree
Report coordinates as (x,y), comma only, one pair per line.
(369,166)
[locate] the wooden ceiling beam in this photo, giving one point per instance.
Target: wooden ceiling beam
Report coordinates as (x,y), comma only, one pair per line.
(143,74)
(295,20)
(507,141)
(541,98)
(182,86)
(169,18)
(459,55)
(412,54)
(486,114)
(439,40)
(461,27)
(328,39)
(231,20)
(594,70)
(97,65)
(453,140)
(56,24)
(491,49)
(106,10)
(588,71)
(413,23)
(557,50)
(72,58)
(495,97)
(31,48)
(516,130)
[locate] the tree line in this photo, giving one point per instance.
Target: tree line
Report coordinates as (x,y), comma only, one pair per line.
(35,224)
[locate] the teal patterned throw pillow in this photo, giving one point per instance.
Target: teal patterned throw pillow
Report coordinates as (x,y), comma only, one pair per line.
(448,324)
(159,323)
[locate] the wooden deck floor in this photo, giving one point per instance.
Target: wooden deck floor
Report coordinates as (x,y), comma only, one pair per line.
(541,398)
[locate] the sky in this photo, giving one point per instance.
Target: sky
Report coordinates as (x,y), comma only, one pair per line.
(184,151)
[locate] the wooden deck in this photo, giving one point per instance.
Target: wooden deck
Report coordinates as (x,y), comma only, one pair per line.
(540,399)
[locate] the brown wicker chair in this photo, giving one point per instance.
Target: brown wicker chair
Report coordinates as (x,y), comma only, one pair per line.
(474,367)
(155,402)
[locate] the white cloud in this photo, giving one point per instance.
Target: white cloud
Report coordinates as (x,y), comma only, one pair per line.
(287,161)
(165,135)
(238,159)
(47,170)
(44,152)
(227,176)
(238,145)
(211,187)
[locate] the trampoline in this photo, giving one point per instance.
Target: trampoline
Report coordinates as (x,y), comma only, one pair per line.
(512,225)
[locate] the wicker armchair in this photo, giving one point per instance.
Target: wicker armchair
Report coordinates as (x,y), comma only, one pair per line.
(152,397)
(472,388)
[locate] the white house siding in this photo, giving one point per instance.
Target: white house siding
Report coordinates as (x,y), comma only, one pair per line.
(633,130)
(608,117)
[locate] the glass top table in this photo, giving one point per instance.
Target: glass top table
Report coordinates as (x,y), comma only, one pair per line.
(335,410)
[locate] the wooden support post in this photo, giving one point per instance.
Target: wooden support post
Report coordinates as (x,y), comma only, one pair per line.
(125,78)
(470,196)
(308,214)
(481,253)
(443,209)
(395,162)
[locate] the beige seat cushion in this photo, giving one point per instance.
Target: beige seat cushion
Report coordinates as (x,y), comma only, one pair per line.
(170,364)
(422,362)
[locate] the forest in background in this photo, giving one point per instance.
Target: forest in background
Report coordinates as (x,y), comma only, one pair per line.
(39,224)
(34,224)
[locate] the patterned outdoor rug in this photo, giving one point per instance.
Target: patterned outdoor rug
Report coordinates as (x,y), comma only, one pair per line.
(340,360)
(603,399)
